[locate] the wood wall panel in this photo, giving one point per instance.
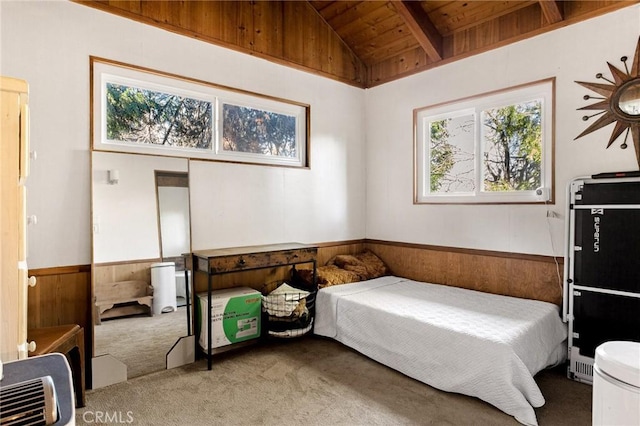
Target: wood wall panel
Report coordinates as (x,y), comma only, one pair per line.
(292,49)
(63,296)
(268,28)
(255,279)
(291,33)
(328,250)
(124,271)
(119,271)
(527,276)
(407,63)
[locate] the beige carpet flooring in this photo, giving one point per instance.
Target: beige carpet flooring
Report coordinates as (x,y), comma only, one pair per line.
(311,381)
(141,341)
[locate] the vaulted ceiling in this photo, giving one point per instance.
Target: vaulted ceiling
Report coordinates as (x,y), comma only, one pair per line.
(363,43)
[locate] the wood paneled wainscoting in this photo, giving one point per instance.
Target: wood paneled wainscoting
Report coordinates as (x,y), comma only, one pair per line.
(129,275)
(62,295)
(511,274)
(123,271)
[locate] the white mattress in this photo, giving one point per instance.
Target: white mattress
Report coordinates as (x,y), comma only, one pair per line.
(453,339)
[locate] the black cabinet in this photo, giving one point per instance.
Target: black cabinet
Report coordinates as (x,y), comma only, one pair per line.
(602,268)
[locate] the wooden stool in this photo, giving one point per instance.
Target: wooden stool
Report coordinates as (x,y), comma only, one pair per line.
(67,340)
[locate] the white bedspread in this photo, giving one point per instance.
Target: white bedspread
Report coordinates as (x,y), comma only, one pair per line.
(456,340)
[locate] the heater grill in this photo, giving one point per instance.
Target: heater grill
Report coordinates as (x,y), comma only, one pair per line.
(32,402)
(583,368)
(580,367)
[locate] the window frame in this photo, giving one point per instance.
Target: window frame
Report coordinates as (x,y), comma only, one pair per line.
(104,71)
(424,116)
(264,105)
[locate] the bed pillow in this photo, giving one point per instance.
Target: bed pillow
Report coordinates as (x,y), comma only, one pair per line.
(346,268)
(328,275)
(332,275)
(366,264)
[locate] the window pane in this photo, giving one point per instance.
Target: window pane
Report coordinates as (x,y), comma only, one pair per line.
(451,155)
(512,140)
(258,132)
(144,116)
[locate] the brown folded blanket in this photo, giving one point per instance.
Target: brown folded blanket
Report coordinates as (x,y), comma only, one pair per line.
(346,268)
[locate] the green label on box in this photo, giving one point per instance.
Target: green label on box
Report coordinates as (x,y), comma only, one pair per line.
(241,318)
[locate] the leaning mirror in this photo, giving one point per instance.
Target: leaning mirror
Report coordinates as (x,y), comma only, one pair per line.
(619,102)
(140,230)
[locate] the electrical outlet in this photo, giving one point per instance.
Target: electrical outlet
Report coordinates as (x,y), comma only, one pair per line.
(552,214)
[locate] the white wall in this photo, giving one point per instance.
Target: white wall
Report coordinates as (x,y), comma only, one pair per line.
(125,215)
(572,53)
(49,43)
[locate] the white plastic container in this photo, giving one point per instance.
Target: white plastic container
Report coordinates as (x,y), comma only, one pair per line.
(163,281)
(616,384)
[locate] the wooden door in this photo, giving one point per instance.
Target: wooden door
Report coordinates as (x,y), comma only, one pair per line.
(13,171)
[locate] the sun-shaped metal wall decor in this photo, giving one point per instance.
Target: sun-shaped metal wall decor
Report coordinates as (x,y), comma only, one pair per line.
(620,103)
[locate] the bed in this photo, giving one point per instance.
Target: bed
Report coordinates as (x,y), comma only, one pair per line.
(457,340)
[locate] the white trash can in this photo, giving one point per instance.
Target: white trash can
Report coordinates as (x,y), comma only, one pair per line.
(616,384)
(163,281)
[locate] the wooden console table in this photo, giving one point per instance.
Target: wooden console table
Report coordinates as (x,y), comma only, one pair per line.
(238,259)
(69,341)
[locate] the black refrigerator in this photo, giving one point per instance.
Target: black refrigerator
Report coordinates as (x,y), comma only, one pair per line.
(602,267)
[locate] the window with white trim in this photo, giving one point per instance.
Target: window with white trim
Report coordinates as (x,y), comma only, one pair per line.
(492,148)
(145,111)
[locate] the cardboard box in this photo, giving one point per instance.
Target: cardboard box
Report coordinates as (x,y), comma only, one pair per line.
(235,316)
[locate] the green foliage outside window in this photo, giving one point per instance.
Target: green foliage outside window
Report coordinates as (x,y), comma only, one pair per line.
(442,156)
(149,117)
(451,152)
(513,147)
(512,142)
(257,131)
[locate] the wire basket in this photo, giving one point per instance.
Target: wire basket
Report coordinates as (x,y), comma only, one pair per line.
(287,311)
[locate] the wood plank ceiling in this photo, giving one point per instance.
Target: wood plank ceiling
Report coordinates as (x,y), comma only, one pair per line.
(363,43)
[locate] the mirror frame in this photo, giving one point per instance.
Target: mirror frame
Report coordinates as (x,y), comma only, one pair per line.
(615,100)
(609,103)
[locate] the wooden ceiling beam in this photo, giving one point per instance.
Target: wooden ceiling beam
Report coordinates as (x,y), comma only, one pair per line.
(552,10)
(421,27)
